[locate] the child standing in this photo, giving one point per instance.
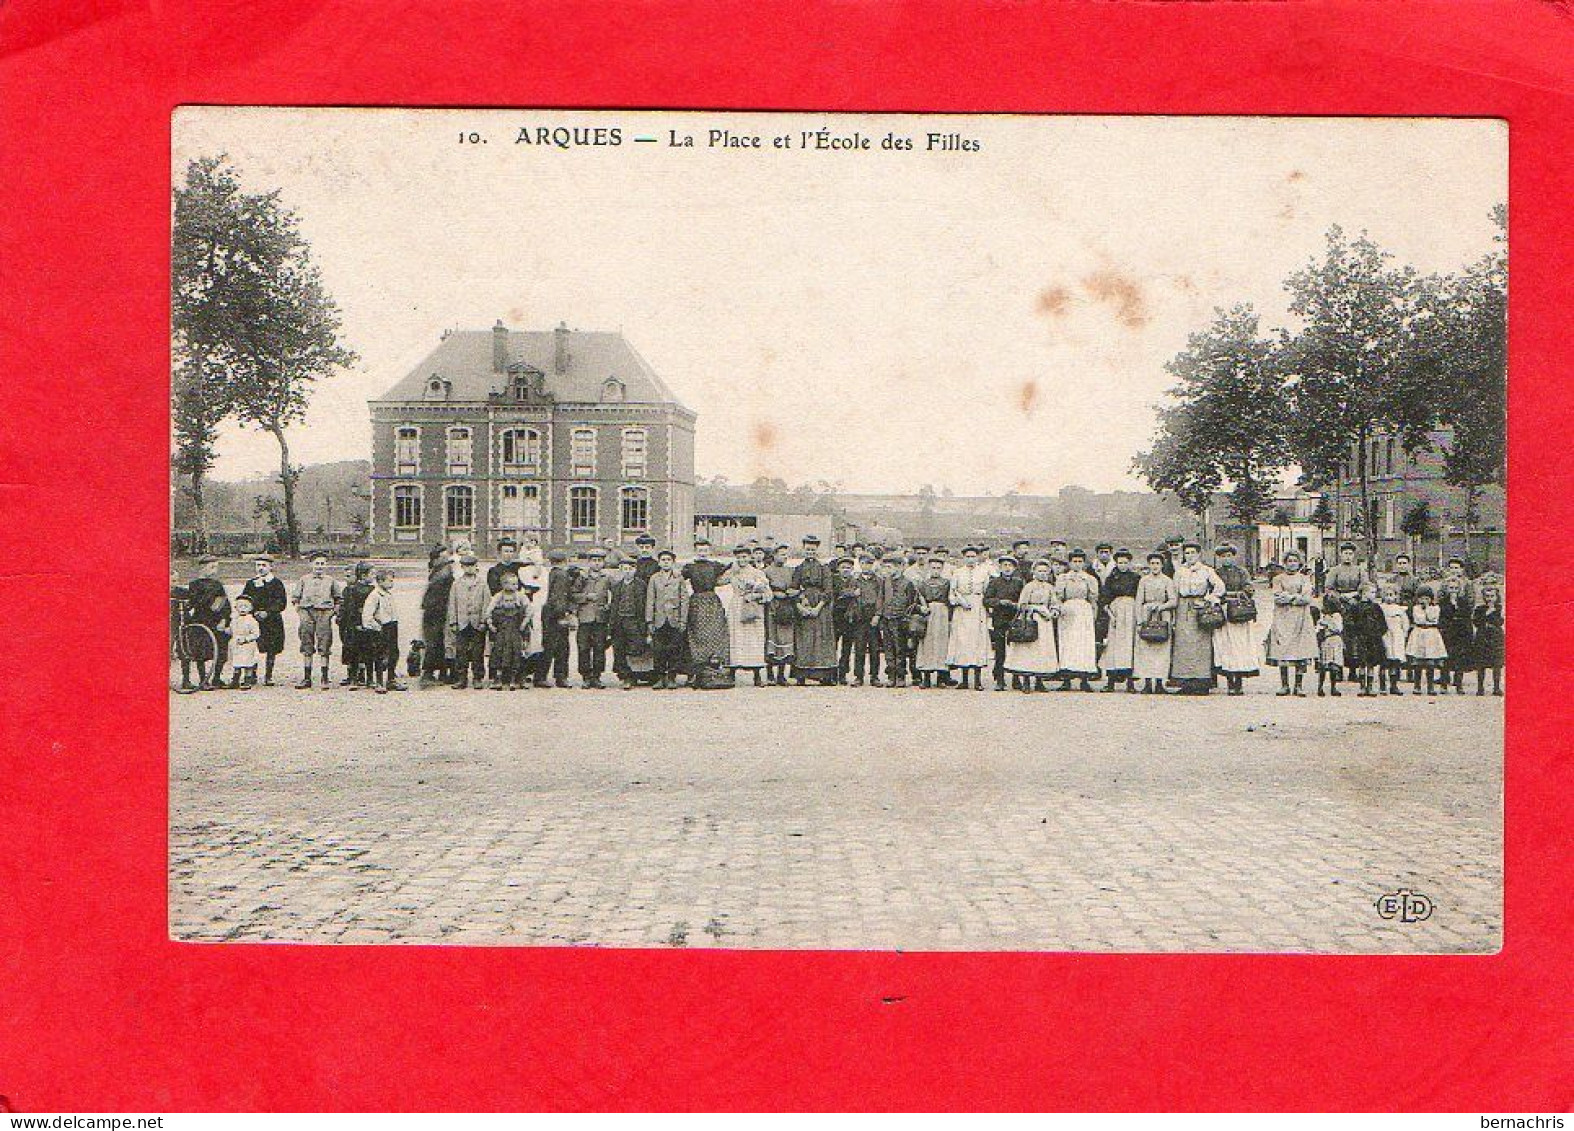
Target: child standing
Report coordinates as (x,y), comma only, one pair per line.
(380,619)
(243,643)
(1425,648)
(509,618)
(1488,641)
(1397,617)
(1330,645)
(1365,626)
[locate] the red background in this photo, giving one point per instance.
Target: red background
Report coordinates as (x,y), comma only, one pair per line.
(101,1012)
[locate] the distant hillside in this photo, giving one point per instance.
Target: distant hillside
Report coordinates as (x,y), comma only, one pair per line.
(323,487)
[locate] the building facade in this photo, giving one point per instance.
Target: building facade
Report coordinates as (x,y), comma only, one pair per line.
(1398,483)
(568,436)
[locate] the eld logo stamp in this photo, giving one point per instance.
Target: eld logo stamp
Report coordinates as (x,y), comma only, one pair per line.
(1405,905)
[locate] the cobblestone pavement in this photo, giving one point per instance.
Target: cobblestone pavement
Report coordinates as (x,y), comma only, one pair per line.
(835,818)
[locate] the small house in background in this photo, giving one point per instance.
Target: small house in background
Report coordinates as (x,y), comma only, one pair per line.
(726,529)
(565,435)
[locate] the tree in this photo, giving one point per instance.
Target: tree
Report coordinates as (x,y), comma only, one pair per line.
(209,270)
(1281,517)
(1322,513)
(1226,425)
(1457,378)
(1416,524)
(1346,365)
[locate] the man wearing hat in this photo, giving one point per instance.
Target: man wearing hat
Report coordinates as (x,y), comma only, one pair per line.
(1103,561)
(667,614)
(207,604)
(467,621)
(592,605)
(353,651)
(556,614)
(1000,602)
(861,645)
(317,597)
(899,600)
(631,655)
(268,602)
(435,667)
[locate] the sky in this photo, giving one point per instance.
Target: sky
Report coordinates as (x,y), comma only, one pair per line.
(981,320)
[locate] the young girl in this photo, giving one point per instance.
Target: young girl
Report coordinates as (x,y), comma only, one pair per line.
(1425,648)
(1365,625)
(1157,600)
(1488,642)
(1292,640)
(509,616)
(1330,645)
(1030,662)
(243,645)
(1397,621)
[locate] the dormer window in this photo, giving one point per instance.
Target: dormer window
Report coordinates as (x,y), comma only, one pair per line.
(525,383)
(437,389)
(613,391)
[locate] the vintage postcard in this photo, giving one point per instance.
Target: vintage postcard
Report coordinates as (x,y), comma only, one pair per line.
(777,530)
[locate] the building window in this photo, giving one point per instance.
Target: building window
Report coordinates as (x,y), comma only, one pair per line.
(519,507)
(1388,516)
(459,448)
(407,451)
(521,449)
(613,390)
(582,509)
(459,507)
(635,450)
(635,506)
(582,453)
(407,514)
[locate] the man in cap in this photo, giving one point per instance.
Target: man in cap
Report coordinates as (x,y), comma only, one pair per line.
(899,600)
(1000,602)
(317,597)
(353,642)
(556,617)
(861,645)
(467,621)
(268,602)
(667,614)
(208,605)
(1103,561)
(592,605)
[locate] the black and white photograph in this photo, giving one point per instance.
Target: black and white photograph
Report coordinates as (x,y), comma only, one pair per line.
(859,532)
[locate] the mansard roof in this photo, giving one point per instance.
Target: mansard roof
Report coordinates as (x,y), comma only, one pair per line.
(465,358)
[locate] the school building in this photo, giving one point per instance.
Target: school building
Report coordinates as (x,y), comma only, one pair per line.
(567,435)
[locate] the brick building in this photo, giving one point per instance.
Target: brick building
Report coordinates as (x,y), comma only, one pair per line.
(1396,483)
(568,435)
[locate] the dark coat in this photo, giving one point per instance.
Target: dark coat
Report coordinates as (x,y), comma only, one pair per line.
(269,599)
(1000,599)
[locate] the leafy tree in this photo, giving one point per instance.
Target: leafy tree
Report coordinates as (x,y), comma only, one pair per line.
(1458,373)
(1346,365)
(1322,513)
(1281,517)
(1226,425)
(210,268)
(251,311)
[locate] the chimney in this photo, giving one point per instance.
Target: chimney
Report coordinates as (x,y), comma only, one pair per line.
(499,347)
(560,352)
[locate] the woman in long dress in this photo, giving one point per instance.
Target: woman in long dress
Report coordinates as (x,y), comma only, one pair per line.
(1077,593)
(814,632)
(708,636)
(1029,663)
(935,592)
(747,593)
(1235,642)
(1118,597)
(968,642)
(1156,600)
(1292,639)
(779,617)
(1191,661)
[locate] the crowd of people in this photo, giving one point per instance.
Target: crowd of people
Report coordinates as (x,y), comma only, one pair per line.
(861,616)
